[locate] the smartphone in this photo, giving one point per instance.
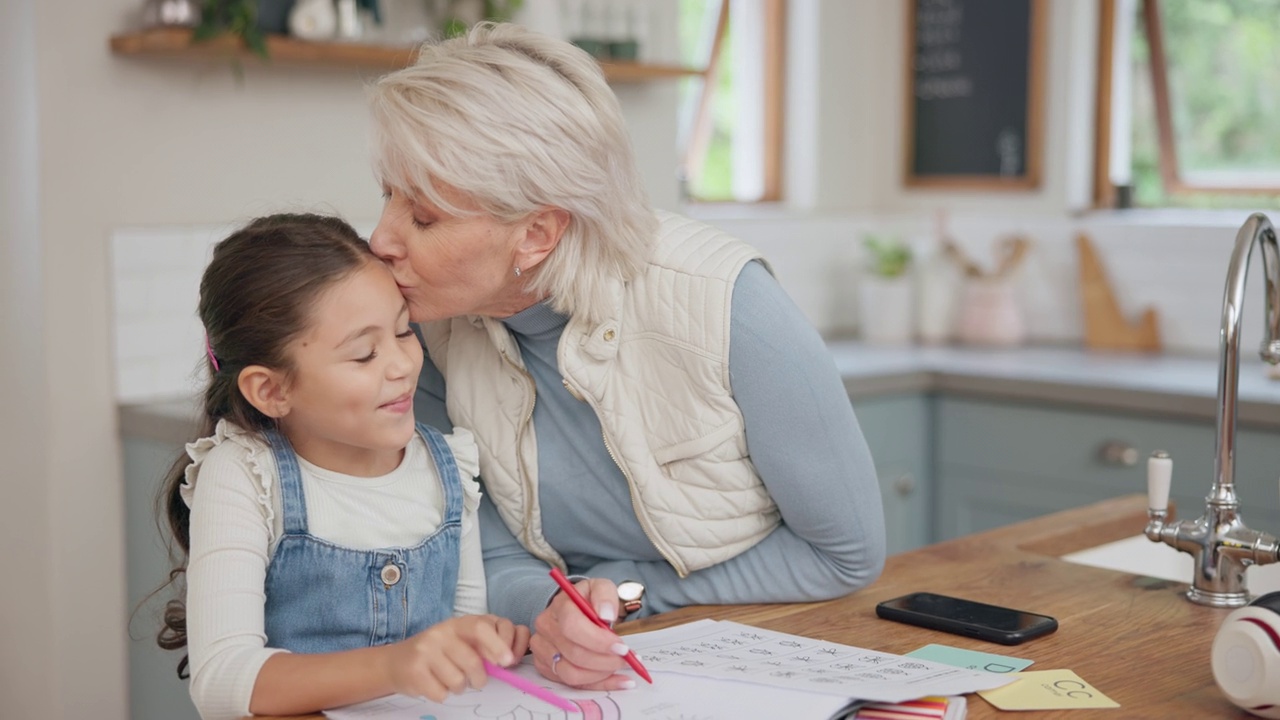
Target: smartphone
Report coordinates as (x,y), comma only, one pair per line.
(966,617)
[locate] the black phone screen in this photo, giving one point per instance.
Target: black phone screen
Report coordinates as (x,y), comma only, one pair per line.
(967,617)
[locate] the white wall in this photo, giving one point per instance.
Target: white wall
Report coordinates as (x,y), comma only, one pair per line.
(855,134)
(28,676)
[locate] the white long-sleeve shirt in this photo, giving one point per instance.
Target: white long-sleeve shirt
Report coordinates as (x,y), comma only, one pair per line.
(236,522)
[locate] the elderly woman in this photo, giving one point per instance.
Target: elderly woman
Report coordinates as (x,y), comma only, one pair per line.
(653,412)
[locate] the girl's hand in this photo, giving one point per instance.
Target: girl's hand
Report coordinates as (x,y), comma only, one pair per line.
(590,656)
(448,657)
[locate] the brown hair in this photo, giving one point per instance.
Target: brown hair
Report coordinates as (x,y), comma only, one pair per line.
(255,298)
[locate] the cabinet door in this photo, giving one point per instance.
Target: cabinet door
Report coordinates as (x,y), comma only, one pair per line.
(1257,479)
(999,463)
(897,429)
(155,692)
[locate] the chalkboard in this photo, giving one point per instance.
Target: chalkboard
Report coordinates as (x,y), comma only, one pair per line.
(974,79)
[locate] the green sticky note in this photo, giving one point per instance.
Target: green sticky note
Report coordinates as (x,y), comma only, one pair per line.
(970,659)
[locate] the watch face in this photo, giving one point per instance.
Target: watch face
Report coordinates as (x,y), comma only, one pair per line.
(630,590)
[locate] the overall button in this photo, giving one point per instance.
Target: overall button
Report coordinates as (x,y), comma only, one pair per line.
(390,574)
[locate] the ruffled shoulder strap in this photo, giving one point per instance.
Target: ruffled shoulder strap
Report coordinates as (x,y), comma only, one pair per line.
(257,458)
(466,453)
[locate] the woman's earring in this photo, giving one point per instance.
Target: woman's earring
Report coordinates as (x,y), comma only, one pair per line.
(517,271)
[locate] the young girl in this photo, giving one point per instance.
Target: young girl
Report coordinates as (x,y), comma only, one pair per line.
(333,553)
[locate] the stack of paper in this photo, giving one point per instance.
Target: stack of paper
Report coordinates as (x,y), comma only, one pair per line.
(929,708)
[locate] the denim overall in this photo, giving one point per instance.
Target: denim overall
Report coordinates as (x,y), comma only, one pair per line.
(323,597)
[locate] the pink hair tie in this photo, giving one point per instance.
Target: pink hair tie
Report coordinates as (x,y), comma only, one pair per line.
(209,349)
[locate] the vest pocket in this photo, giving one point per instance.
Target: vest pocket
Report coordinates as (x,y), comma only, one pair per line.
(687,449)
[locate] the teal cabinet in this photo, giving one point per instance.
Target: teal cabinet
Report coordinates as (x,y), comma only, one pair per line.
(898,429)
(1002,462)
(1257,480)
(155,691)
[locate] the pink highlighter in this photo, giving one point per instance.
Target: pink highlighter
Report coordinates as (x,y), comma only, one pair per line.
(528,686)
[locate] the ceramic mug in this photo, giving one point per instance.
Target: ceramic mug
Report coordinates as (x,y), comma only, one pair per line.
(1246,656)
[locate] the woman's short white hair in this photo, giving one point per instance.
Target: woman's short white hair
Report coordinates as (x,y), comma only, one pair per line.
(519,121)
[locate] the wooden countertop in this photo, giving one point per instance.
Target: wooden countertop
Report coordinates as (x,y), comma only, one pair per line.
(1136,639)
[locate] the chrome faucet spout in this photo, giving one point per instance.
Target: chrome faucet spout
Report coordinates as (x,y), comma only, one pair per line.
(1257,230)
(1222,546)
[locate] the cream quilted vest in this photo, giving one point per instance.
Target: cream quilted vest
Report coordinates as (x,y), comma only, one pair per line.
(656,372)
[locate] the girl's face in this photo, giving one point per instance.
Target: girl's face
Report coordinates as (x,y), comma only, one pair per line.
(446,265)
(350,396)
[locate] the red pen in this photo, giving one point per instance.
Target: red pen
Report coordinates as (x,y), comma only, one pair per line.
(590,612)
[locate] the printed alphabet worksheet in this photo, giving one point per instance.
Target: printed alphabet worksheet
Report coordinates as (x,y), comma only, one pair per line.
(710,670)
(733,651)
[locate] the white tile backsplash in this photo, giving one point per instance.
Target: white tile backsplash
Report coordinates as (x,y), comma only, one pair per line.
(1177,266)
(1173,261)
(158,340)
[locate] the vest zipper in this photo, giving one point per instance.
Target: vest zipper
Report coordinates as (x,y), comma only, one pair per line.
(631,487)
(524,472)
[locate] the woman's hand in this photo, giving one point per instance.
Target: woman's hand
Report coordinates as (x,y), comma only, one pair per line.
(449,656)
(589,656)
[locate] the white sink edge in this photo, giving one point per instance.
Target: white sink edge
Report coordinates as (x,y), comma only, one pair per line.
(1139,556)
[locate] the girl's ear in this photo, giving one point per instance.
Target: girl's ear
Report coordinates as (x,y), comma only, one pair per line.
(542,232)
(265,389)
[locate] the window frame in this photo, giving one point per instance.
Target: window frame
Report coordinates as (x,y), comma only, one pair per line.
(1172,178)
(773,97)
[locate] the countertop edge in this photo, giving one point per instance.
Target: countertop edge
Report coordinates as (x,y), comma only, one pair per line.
(1145,402)
(172,422)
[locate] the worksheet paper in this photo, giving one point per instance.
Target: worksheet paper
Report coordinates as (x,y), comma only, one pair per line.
(710,670)
(732,651)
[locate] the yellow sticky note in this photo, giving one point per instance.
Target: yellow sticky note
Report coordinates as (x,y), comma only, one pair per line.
(1047,690)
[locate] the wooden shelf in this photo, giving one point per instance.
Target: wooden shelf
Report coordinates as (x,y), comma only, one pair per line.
(177,43)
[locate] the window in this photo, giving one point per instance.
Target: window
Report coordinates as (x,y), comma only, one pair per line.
(1189,103)
(731,114)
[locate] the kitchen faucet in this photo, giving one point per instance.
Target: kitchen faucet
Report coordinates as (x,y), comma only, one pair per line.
(1223,548)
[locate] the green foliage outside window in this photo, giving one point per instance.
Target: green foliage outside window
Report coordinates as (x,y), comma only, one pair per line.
(713,181)
(1224,80)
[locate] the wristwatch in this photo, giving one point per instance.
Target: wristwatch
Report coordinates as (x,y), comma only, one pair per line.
(630,596)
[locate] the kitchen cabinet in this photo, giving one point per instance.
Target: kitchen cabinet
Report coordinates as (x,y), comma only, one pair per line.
(155,691)
(998,463)
(898,429)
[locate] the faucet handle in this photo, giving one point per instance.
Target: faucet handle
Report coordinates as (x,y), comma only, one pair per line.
(1159,477)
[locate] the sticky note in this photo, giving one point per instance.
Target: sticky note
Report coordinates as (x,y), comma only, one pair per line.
(970,659)
(1047,690)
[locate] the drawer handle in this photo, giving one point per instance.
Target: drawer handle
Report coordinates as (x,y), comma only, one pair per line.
(1114,453)
(904,484)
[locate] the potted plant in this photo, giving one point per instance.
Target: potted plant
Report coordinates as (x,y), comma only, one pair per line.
(459,15)
(237,17)
(885,291)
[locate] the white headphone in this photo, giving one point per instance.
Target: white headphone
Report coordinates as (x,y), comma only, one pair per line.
(1246,656)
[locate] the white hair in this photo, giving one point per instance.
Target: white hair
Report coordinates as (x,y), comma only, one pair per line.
(518,121)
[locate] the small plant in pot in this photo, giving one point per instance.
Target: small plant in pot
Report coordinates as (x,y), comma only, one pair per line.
(885,292)
(237,17)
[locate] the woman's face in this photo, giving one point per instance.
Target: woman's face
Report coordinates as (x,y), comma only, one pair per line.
(446,265)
